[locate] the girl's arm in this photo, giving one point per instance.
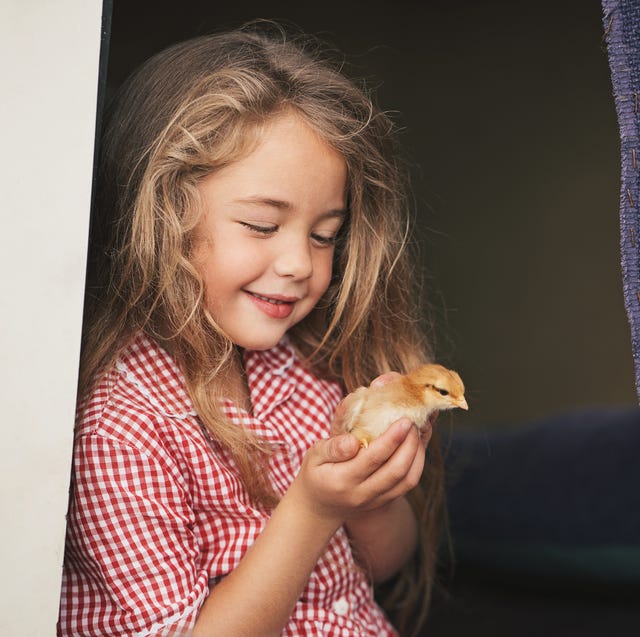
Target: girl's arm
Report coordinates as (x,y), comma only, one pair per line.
(385,539)
(336,482)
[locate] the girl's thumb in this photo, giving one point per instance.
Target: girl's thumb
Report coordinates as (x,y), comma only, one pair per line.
(341,448)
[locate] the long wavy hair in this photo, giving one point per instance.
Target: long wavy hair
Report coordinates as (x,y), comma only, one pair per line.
(185,113)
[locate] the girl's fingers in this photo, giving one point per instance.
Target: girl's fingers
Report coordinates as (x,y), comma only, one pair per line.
(368,478)
(386,490)
(336,449)
(378,453)
(401,470)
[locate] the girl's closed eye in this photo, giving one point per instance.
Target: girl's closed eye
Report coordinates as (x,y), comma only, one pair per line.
(324,241)
(264,230)
(326,233)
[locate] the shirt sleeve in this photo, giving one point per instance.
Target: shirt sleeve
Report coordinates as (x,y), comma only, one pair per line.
(132,554)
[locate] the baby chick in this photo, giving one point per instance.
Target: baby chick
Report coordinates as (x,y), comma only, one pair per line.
(369,411)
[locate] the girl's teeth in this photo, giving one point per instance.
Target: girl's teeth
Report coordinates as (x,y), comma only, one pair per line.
(265,298)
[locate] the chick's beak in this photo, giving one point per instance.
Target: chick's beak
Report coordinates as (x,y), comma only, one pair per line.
(462,403)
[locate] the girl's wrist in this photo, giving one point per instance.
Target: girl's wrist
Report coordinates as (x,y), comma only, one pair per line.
(324,518)
(385,538)
(372,515)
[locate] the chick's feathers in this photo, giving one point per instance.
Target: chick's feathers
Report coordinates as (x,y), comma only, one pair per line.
(369,411)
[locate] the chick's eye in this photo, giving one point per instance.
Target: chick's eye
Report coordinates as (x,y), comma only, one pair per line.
(443,392)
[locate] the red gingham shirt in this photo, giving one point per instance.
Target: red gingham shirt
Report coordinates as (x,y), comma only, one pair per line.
(157,510)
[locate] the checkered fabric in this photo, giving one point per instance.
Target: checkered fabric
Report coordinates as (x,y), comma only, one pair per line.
(158,513)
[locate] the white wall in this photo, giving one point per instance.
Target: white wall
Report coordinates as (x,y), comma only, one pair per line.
(49,52)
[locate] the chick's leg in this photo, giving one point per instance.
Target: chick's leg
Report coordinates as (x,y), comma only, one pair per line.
(364,437)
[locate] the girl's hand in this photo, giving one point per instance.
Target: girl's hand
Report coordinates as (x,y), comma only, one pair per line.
(339,480)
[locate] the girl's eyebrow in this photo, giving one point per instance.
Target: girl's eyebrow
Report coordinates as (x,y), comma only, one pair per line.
(265,201)
(281,204)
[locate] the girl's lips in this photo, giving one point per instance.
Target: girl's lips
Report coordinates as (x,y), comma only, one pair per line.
(278,307)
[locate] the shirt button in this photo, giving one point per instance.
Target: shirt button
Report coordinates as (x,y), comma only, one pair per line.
(341,606)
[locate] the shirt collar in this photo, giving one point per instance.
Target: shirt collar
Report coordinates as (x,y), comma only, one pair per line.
(155,373)
(269,376)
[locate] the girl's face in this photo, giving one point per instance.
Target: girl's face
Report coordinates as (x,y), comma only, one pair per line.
(265,241)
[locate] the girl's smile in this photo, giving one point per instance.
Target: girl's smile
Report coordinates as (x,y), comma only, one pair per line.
(265,243)
(274,306)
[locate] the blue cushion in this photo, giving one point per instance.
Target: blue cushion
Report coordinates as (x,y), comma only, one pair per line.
(558,498)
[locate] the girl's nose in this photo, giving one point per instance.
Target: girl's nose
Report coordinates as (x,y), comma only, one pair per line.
(294,259)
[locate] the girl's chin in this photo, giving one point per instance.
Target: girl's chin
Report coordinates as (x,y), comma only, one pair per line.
(259,344)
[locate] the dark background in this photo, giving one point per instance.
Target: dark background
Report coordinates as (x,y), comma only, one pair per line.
(508,119)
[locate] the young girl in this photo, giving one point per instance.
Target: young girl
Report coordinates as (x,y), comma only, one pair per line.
(248,268)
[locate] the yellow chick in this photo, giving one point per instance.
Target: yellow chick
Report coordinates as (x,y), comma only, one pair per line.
(369,411)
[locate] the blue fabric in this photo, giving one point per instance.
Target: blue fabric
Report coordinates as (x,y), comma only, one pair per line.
(559,497)
(622,31)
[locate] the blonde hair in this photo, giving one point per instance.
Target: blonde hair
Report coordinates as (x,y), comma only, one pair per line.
(185,113)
